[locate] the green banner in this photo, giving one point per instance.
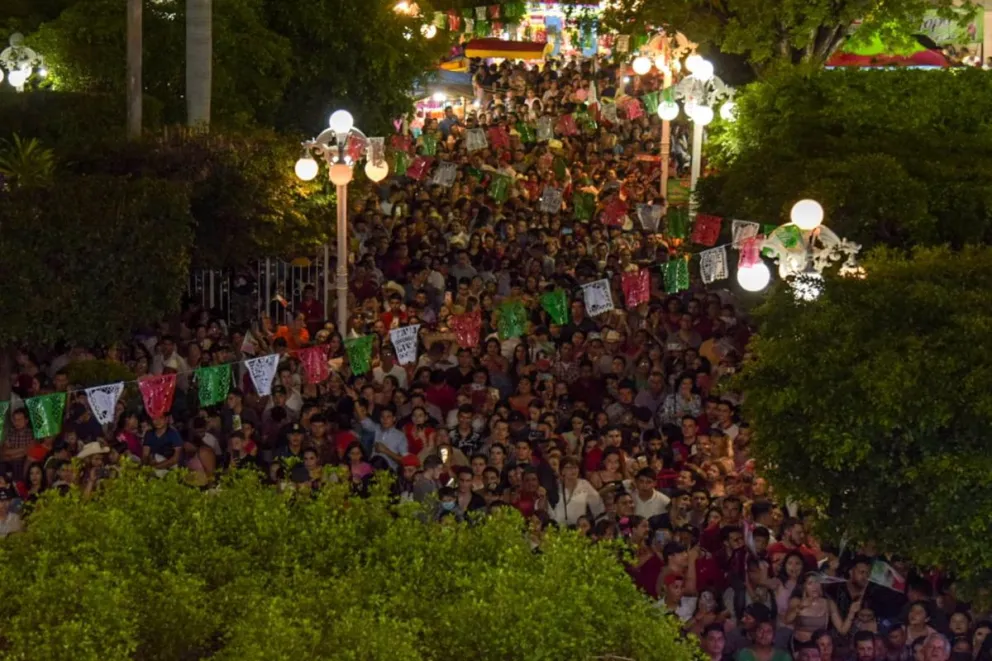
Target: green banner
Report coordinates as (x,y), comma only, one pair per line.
(585,205)
(428,144)
(359,352)
(213,384)
(556,304)
(678,222)
(512,319)
(46,414)
(499,188)
(676,273)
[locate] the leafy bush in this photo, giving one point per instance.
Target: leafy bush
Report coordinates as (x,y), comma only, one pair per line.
(152,569)
(872,405)
(895,157)
(89,373)
(90,259)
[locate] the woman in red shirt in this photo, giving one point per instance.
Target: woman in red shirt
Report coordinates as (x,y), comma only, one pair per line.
(419,434)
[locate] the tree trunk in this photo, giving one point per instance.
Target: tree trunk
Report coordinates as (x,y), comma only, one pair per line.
(134,86)
(6,372)
(199,62)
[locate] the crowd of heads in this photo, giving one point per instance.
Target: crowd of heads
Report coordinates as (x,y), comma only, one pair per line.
(624,426)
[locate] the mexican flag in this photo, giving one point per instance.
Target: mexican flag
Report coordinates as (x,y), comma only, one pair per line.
(883,574)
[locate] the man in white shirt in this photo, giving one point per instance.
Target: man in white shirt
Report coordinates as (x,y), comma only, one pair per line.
(166,357)
(389,367)
(648,501)
(725,420)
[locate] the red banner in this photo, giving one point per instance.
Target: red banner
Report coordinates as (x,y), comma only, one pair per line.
(157,393)
(637,287)
(467,328)
(706,231)
(314,361)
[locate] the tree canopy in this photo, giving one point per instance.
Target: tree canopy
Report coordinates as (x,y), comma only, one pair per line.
(277,64)
(768,35)
(896,157)
(152,569)
(873,404)
(90,258)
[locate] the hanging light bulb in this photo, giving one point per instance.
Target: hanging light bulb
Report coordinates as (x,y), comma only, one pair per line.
(342,122)
(340,174)
(703,70)
(702,115)
(18,77)
(692,62)
(306,168)
(668,110)
(807,215)
(375,172)
(429,31)
(641,65)
(754,278)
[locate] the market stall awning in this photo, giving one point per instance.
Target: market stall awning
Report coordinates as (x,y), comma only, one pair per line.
(872,52)
(511,50)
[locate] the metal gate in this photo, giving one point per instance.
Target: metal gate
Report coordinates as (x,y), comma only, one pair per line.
(270,286)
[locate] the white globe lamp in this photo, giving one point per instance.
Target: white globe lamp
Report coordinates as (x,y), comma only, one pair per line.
(668,110)
(703,115)
(340,174)
(754,278)
(18,77)
(641,65)
(807,215)
(375,172)
(728,111)
(661,63)
(429,31)
(692,63)
(306,168)
(703,70)
(342,122)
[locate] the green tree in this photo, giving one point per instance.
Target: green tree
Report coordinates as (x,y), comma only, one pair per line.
(872,405)
(85,51)
(895,157)
(361,56)
(151,569)
(89,258)
(767,35)
(245,200)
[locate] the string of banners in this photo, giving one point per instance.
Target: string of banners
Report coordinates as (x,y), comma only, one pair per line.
(488,19)
(214,382)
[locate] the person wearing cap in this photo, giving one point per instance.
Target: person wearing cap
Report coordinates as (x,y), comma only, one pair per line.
(295,443)
(673,598)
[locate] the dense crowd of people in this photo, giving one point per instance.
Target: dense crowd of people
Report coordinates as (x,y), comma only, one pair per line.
(621,426)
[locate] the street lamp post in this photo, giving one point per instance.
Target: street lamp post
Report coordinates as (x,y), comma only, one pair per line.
(802,249)
(699,90)
(20,62)
(332,146)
